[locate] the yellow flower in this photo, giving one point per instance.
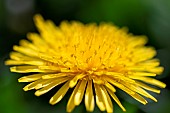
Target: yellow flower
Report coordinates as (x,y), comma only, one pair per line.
(92,59)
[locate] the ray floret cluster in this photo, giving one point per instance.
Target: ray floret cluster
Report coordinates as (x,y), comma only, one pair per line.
(91,59)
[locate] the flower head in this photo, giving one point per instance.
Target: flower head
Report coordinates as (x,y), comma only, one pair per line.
(92,59)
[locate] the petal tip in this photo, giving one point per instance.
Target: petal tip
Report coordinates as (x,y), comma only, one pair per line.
(13,69)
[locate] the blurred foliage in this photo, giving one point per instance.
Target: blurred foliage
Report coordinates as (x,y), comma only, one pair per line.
(142,17)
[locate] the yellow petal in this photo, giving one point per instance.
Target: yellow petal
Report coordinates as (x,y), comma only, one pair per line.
(39,21)
(49,76)
(70,104)
(33,85)
(127,90)
(150,63)
(37,41)
(20,57)
(122,77)
(26,43)
(140,91)
(99,98)
(26,51)
(30,78)
(73,82)
(157,70)
(106,99)
(79,94)
(48,87)
(116,99)
(151,81)
(119,85)
(16,62)
(137,41)
(43,84)
(52,68)
(147,87)
(16,56)
(89,97)
(139,98)
(60,94)
(110,87)
(141,74)
(28,69)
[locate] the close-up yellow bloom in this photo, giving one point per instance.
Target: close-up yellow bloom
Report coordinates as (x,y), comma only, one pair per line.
(93,60)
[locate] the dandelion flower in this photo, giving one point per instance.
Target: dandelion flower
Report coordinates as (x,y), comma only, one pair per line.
(91,59)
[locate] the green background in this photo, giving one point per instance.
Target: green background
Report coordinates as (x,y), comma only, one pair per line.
(142,17)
